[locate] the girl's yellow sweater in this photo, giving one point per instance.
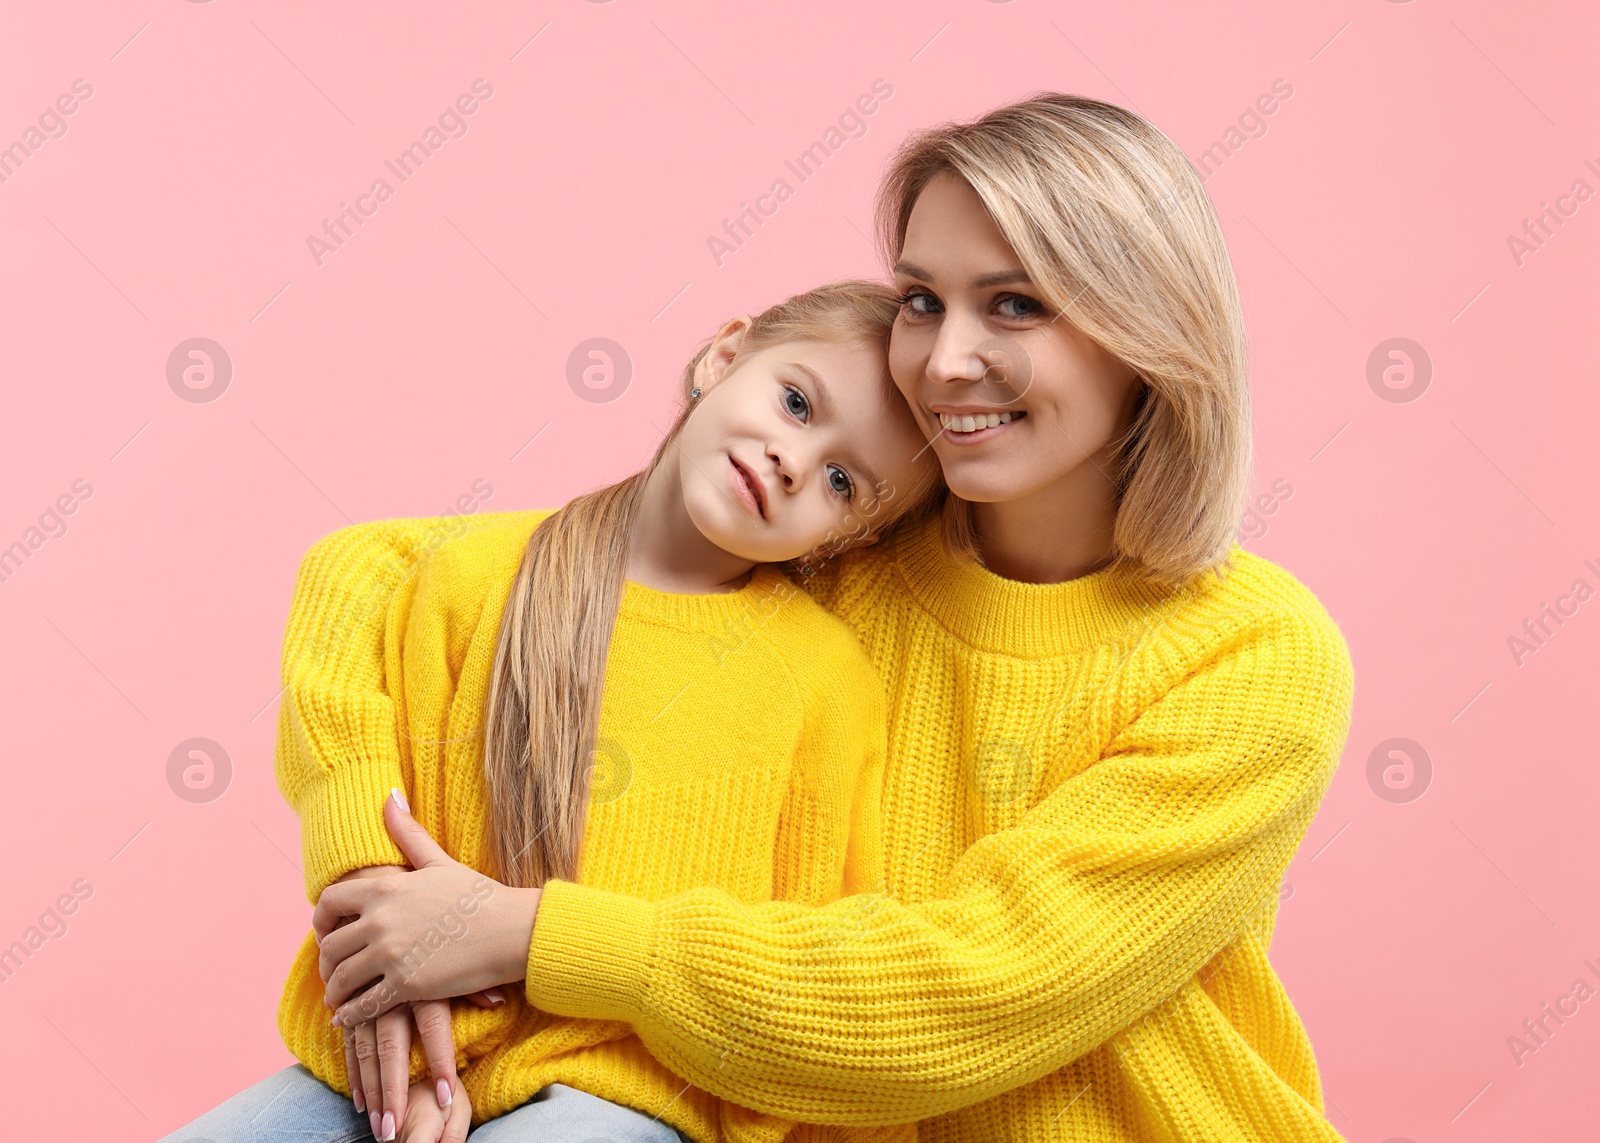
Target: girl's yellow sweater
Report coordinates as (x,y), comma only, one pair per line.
(741,745)
(1092,792)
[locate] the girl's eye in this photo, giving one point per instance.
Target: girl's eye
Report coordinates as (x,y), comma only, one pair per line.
(1031,308)
(913,298)
(795,402)
(841,484)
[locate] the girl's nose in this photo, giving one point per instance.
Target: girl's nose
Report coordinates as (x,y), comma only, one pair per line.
(798,453)
(782,459)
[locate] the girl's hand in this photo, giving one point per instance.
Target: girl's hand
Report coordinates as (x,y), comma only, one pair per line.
(377,1054)
(377,1060)
(377,1057)
(405,942)
(426,1122)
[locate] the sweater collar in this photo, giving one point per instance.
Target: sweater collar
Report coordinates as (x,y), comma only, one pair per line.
(1028,620)
(707,611)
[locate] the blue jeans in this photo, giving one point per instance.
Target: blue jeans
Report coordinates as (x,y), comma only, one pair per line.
(294,1104)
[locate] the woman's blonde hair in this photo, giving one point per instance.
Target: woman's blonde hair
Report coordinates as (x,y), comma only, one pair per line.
(1112,223)
(543,708)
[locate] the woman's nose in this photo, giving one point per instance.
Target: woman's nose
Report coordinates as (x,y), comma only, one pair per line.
(954,355)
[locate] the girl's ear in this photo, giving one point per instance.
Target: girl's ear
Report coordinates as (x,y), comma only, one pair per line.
(719,355)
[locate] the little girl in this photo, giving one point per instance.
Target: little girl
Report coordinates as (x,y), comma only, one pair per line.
(625,691)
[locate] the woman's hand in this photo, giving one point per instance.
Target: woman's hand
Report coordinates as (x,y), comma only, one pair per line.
(400,937)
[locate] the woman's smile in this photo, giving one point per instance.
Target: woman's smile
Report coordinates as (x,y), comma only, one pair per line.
(967,425)
(1057,260)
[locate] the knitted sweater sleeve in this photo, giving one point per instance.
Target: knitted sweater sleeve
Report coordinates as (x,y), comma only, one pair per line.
(863,863)
(1046,938)
(830,834)
(339,748)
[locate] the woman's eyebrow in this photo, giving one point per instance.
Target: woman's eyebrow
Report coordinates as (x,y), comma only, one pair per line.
(1003,278)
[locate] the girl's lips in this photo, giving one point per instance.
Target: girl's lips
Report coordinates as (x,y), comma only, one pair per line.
(747,486)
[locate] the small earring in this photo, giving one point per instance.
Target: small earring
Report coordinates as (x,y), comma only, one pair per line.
(694,394)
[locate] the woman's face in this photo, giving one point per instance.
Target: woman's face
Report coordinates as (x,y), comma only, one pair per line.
(793,447)
(974,345)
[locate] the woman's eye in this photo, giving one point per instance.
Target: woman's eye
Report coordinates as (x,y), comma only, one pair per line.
(919,302)
(839,481)
(795,402)
(1030,308)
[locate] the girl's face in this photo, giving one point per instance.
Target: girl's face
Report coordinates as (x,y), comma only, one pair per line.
(795,447)
(975,345)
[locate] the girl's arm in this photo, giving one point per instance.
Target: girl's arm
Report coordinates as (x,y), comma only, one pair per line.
(1044,940)
(340,750)
(863,856)
(339,747)
(829,840)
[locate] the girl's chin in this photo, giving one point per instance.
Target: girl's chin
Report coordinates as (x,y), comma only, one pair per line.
(725,526)
(740,543)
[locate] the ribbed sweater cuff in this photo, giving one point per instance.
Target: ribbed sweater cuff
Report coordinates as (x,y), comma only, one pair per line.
(341,823)
(590,952)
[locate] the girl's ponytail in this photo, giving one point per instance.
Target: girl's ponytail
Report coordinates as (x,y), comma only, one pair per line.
(549,669)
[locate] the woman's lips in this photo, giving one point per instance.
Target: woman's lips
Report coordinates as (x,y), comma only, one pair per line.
(950,431)
(748,487)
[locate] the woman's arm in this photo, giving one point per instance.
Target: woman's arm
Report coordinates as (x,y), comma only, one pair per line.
(1044,940)
(444,928)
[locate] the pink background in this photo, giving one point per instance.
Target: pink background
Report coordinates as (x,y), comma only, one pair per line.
(424,354)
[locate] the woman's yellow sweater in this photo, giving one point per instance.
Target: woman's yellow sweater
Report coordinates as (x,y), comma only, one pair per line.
(1092,791)
(741,745)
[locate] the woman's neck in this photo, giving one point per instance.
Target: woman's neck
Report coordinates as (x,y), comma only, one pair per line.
(665,549)
(1058,533)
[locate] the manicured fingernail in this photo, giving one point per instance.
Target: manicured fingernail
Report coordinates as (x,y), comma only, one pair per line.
(394,792)
(372,1118)
(443,1088)
(334,1023)
(360,1100)
(388,1128)
(494,996)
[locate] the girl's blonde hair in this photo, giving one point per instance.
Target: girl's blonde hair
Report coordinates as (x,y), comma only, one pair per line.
(1112,223)
(543,709)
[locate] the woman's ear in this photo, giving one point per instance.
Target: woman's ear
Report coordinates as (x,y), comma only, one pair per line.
(719,355)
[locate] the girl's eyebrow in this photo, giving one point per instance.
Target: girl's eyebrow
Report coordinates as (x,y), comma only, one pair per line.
(824,399)
(1003,278)
(826,406)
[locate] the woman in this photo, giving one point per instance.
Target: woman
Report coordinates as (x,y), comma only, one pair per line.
(1110,725)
